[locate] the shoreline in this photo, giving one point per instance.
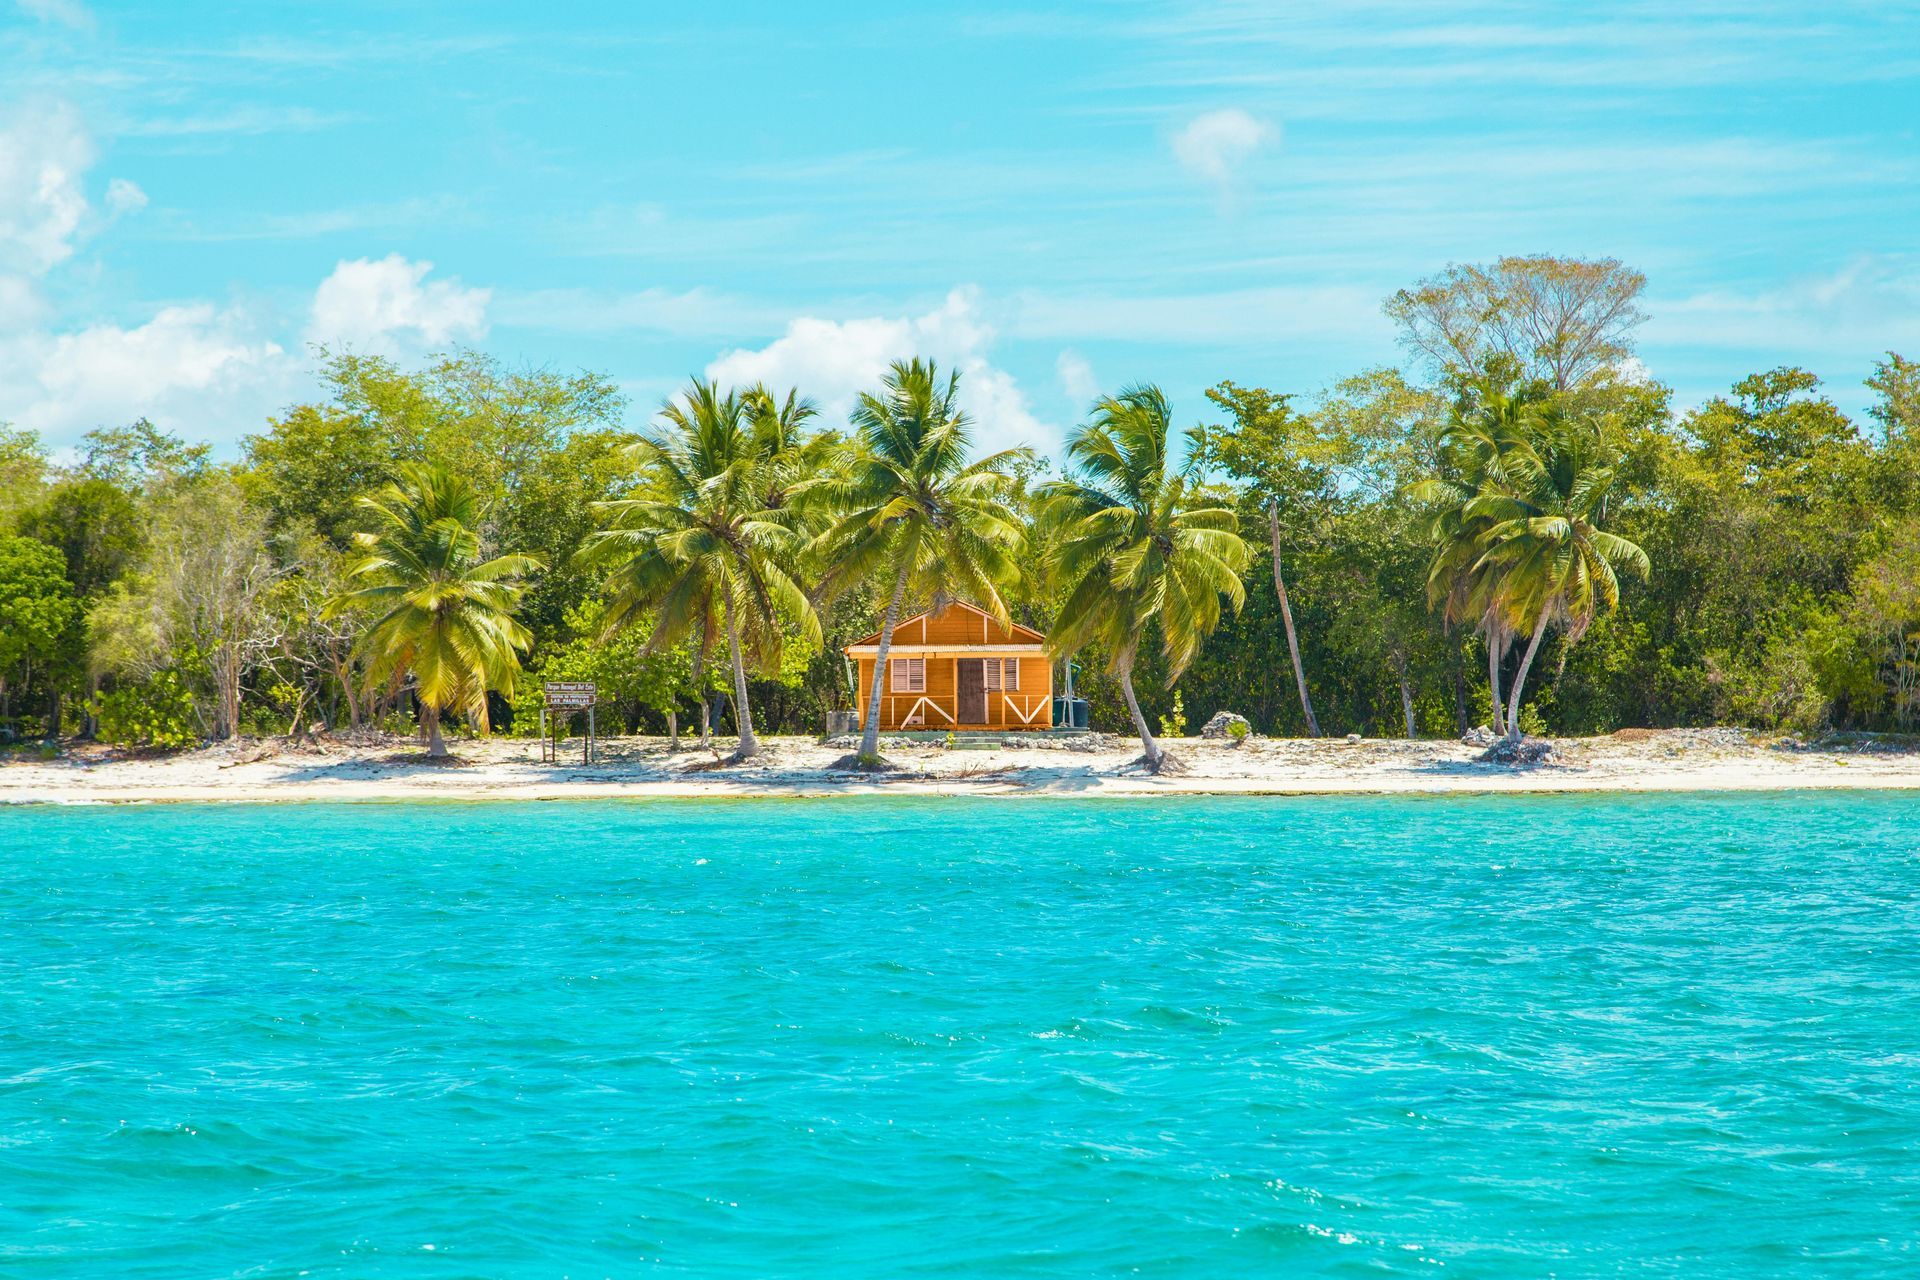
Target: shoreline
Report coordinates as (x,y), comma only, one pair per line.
(1633,761)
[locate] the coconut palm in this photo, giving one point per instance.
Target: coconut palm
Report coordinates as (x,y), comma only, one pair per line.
(1136,548)
(1544,554)
(914,512)
(708,548)
(1491,423)
(441,614)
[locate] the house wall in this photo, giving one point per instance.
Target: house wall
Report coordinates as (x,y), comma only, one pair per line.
(1035,692)
(957,626)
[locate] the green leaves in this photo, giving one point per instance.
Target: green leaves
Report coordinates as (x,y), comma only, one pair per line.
(914,503)
(1136,549)
(715,530)
(1523,487)
(440,613)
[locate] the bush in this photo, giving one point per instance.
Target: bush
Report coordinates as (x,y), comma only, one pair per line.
(1174,723)
(1237,731)
(157,712)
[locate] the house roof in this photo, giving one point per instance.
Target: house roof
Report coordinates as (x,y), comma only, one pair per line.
(1018,632)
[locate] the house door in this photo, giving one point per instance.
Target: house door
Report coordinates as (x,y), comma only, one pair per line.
(971,676)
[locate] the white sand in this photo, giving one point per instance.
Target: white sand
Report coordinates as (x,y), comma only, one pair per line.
(509,769)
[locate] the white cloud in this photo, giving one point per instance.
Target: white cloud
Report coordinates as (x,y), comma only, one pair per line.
(1076,377)
(389,307)
(124,197)
(68,13)
(44,156)
(1216,146)
(835,360)
(194,368)
(207,371)
(1868,306)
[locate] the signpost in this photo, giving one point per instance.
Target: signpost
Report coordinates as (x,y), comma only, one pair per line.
(564,697)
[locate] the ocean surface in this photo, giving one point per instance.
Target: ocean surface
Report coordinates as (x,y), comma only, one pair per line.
(1634,1036)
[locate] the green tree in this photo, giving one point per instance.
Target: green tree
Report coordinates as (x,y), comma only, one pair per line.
(1489,427)
(916,512)
(1897,382)
(1275,450)
(313,463)
(141,456)
(710,540)
(1543,552)
(39,621)
(23,470)
(1138,552)
(97,527)
(440,613)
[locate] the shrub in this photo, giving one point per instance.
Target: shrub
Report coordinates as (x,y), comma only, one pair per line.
(1174,723)
(156,712)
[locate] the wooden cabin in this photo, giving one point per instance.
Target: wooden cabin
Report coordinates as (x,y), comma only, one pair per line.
(958,669)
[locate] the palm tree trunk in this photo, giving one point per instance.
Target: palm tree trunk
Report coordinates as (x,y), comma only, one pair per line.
(1460,725)
(673,730)
(430,721)
(1520,678)
(870,732)
(1149,749)
(226,674)
(1286,616)
(742,713)
(700,691)
(1406,692)
(1496,650)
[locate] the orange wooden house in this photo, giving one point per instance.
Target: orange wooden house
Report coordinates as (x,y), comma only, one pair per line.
(956,668)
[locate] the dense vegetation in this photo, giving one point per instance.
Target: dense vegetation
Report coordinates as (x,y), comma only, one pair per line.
(1518,509)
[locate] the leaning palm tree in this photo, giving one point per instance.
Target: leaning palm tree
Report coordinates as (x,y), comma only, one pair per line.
(441,614)
(915,513)
(708,547)
(1474,451)
(1136,548)
(1542,544)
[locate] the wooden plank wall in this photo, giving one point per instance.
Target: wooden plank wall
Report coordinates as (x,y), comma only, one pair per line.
(1036,683)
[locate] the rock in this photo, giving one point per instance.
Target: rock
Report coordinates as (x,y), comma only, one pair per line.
(1522,754)
(1221,726)
(1353,737)
(1479,736)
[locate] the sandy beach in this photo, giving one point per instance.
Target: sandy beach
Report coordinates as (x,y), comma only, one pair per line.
(510,769)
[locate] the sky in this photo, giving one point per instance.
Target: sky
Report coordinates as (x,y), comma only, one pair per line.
(1055,200)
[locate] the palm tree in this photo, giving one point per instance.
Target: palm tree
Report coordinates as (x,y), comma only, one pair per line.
(1491,423)
(914,512)
(442,614)
(1136,548)
(1543,547)
(1286,618)
(709,547)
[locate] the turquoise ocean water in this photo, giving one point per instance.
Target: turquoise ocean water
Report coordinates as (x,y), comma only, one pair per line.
(1643,1036)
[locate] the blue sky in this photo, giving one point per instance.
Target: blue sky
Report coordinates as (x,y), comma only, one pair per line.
(1056,200)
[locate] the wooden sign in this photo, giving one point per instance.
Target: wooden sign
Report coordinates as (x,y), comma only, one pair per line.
(571,694)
